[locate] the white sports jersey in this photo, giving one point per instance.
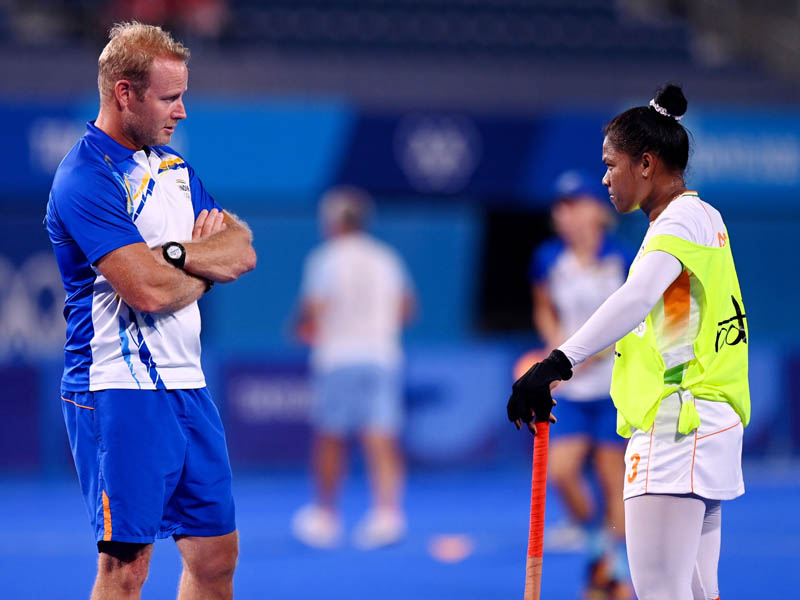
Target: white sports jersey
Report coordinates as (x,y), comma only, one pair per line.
(105,196)
(707,461)
(360,284)
(577,290)
(676,316)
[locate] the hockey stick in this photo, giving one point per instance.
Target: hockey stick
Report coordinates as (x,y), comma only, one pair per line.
(533,565)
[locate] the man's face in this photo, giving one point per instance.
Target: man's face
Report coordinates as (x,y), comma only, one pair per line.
(151,120)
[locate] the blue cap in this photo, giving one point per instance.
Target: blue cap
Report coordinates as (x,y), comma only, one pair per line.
(576,182)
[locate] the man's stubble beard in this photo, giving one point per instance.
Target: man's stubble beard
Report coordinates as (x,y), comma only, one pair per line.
(143,133)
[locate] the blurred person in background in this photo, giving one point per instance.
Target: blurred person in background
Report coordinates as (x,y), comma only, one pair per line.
(138,241)
(356,296)
(680,375)
(199,20)
(571,276)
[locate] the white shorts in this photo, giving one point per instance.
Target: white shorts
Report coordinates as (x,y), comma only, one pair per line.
(706,462)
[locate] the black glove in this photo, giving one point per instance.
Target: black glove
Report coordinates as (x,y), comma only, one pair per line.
(531,392)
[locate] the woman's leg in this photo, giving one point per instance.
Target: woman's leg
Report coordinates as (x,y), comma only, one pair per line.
(704,584)
(565,471)
(663,534)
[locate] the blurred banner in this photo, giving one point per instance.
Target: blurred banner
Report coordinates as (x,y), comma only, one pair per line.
(286,152)
(41,135)
(31,292)
(437,175)
(449,417)
(20,443)
(455,409)
(266,412)
(747,156)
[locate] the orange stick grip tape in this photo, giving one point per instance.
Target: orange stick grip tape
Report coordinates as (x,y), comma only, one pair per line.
(533,566)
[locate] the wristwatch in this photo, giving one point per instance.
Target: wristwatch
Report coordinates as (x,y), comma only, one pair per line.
(174,254)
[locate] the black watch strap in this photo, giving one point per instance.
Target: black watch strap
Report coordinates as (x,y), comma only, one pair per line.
(174,253)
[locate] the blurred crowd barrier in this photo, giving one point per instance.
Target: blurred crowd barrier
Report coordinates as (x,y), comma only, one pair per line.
(435,176)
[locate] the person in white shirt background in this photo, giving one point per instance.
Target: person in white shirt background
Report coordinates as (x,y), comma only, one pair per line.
(356,296)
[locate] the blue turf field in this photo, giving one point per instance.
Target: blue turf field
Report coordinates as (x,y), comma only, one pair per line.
(46,550)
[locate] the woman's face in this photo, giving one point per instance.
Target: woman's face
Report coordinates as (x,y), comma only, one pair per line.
(623,178)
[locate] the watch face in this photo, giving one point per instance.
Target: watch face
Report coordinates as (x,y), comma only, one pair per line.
(174,252)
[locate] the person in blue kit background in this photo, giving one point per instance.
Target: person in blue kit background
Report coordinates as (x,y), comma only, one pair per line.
(571,275)
(138,240)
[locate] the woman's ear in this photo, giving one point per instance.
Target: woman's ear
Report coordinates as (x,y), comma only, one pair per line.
(647,164)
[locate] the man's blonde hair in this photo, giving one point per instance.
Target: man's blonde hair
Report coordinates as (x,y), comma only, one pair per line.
(131,49)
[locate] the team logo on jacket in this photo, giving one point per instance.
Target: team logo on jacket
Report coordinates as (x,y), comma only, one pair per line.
(184,187)
(641,329)
(732,331)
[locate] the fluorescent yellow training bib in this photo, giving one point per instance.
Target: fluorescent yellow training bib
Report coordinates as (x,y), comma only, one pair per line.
(719,370)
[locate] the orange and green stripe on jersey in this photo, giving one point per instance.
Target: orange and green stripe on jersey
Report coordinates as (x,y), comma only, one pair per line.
(677,305)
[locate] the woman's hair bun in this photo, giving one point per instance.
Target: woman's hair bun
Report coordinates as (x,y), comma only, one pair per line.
(670,97)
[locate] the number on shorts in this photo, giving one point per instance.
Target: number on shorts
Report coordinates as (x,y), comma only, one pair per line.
(635,458)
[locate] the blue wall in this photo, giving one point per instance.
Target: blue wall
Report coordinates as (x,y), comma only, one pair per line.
(440,247)
(269,160)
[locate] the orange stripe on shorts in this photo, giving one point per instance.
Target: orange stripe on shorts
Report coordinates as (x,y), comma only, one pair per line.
(76,404)
(106,518)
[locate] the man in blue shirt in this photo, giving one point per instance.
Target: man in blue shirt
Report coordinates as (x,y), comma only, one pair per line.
(138,240)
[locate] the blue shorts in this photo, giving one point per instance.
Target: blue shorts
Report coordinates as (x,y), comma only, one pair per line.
(151,463)
(594,419)
(357,398)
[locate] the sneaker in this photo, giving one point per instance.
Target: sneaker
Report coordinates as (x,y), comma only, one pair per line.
(565,536)
(602,585)
(379,528)
(317,527)
(598,579)
(619,590)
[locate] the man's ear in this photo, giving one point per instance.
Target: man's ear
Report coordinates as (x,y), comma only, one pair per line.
(123,93)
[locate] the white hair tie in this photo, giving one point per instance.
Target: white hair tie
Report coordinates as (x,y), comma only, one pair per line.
(663,111)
